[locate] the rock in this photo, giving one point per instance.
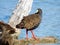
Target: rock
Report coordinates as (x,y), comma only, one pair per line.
(49,39)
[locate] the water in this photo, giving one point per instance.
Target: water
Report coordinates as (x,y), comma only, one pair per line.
(50,25)
(44,44)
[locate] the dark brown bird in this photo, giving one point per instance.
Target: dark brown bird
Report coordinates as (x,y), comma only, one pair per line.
(30,22)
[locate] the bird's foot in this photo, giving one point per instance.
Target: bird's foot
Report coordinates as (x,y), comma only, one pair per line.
(27,38)
(35,38)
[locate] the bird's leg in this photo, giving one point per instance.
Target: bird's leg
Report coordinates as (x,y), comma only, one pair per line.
(27,34)
(33,36)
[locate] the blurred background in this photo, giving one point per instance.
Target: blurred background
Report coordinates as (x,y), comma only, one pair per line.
(50,25)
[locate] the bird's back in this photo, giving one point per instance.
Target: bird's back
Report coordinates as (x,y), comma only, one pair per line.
(32,21)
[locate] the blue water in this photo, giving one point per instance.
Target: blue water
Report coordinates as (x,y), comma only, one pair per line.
(50,25)
(45,44)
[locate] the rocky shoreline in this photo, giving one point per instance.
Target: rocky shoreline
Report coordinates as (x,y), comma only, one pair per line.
(49,39)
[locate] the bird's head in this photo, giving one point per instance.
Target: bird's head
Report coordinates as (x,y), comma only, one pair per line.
(39,11)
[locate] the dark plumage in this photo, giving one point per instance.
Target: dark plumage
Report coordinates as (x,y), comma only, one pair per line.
(31,21)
